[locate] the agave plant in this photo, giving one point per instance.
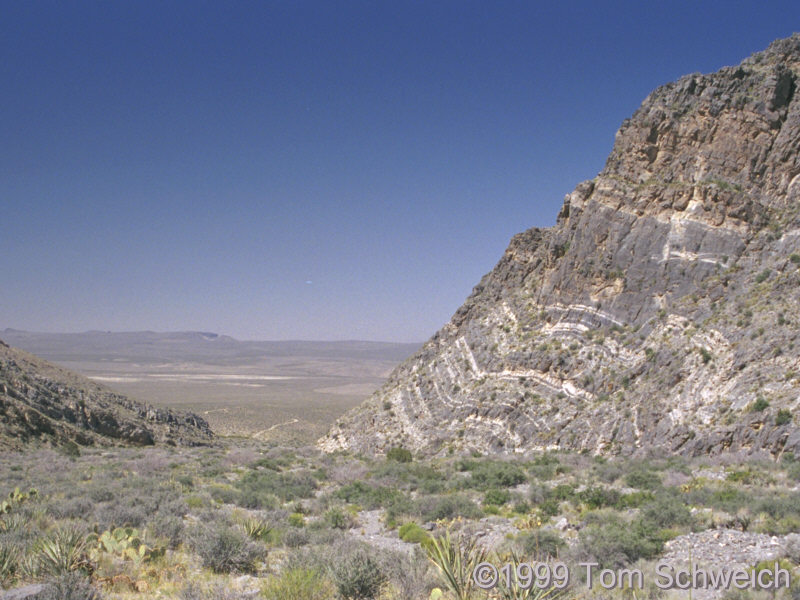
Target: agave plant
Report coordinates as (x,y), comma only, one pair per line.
(255,528)
(63,551)
(456,560)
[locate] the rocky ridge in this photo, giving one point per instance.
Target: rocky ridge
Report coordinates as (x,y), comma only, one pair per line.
(660,313)
(41,403)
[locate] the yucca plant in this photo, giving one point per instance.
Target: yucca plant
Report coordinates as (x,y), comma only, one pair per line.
(455,561)
(8,563)
(516,591)
(63,551)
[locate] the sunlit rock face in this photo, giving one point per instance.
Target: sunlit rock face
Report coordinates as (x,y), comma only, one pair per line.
(659,314)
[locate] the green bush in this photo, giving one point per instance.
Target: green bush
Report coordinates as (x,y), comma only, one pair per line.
(643,479)
(666,511)
(225,549)
(496,497)
(635,499)
(338,518)
(491,474)
(370,496)
(298,584)
(434,508)
(71,586)
(258,486)
(541,544)
(413,533)
(358,576)
(616,543)
(783,417)
(550,507)
(399,454)
(599,497)
(759,405)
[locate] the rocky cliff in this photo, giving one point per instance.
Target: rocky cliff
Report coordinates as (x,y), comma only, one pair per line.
(41,403)
(659,313)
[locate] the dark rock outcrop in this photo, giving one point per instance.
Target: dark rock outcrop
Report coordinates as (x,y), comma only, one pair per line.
(661,312)
(41,403)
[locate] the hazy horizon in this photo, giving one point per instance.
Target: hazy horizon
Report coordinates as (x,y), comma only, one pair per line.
(203,332)
(310,171)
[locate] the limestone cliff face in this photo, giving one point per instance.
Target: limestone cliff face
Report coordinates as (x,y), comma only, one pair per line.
(41,403)
(661,311)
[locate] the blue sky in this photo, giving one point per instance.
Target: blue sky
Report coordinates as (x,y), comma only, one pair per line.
(311,170)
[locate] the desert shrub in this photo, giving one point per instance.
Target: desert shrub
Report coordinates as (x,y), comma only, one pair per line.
(730,499)
(635,499)
(434,508)
(298,584)
(286,486)
(410,476)
(596,497)
(413,533)
(196,591)
(666,511)
(550,507)
(759,405)
(225,494)
(783,417)
(169,528)
(295,537)
(793,471)
(643,479)
(70,586)
(399,454)
(614,543)
(791,547)
(521,507)
(226,549)
(541,544)
(410,576)
(358,576)
(495,497)
(113,514)
(368,496)
(608,472)
(780,507)
(339,518)
(72,508)
(561,492)
(490,474)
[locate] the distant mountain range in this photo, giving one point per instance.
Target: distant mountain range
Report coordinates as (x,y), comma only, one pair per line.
(660,314)
(189,346)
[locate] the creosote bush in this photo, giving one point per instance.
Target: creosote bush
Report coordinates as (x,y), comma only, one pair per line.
(399,454)
(298,583)
(226,549)
(358,576)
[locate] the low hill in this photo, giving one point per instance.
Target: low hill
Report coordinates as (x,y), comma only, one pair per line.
(42,404)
